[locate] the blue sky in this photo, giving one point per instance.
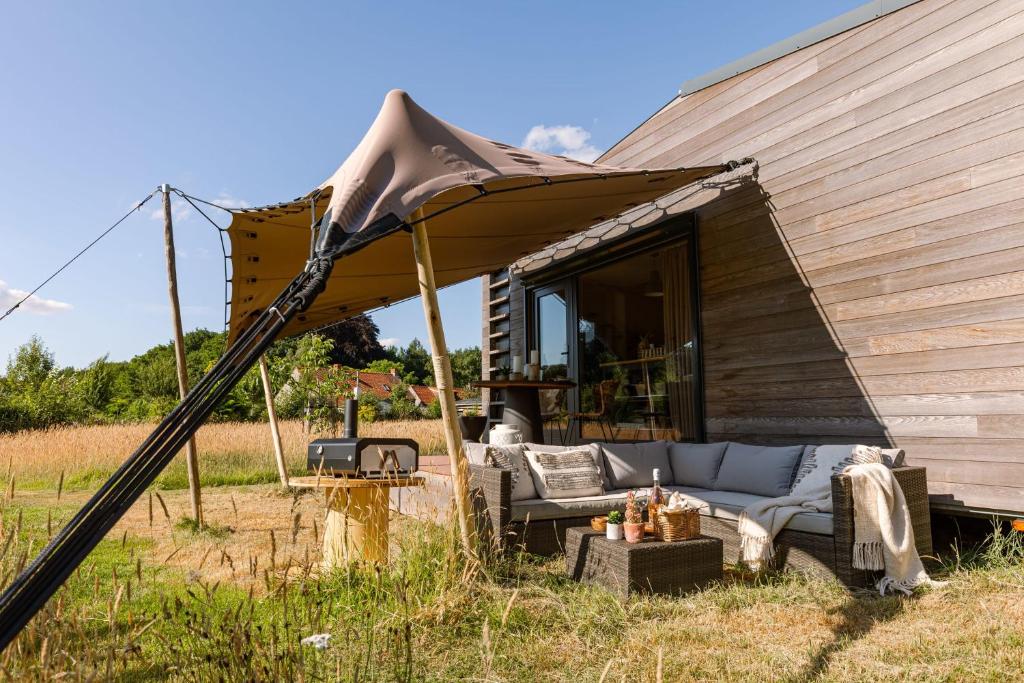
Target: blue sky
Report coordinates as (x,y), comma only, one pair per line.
(258,102)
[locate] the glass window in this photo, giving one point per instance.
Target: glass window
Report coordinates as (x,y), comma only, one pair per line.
(633,356)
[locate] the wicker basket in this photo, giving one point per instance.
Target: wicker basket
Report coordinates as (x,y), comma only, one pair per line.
(599,523)
(678,525)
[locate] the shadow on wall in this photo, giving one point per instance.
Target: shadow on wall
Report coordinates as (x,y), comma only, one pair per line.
(773,370)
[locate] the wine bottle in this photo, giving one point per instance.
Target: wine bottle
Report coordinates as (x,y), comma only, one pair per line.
(655,501)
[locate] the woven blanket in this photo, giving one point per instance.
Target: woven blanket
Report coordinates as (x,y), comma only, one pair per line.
(883,536)
(762,521)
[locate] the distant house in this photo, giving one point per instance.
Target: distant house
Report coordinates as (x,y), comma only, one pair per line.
(381,385)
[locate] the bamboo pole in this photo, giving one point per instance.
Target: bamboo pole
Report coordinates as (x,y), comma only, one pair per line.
(191,460)
(443,377)
(275,432)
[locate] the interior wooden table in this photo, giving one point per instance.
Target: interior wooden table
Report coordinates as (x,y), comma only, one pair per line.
(357,516)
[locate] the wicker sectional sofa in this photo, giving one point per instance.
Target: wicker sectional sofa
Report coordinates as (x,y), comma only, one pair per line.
(818,543)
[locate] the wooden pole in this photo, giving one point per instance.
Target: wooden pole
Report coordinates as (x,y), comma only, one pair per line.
(275,433)
(191,461)
(443,377)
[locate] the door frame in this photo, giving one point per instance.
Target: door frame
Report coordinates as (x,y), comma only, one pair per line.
(533,296)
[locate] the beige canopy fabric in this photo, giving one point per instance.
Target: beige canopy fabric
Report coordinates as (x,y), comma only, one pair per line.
(485,204)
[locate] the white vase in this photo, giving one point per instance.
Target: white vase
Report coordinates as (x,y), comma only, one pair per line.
(613,532)
(505,435)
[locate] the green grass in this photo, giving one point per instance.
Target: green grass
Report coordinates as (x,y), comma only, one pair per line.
(128,614)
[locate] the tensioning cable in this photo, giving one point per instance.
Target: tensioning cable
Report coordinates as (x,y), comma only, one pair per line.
(74,258)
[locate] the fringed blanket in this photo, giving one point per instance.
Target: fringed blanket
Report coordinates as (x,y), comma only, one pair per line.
(883,534)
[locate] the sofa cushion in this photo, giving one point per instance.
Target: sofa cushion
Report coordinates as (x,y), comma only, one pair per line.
(760,470)
(729,504)
(476,453)
(893,457)
(696,464)
(595,451)
(511,458)
(819,463)
(540,509)
(632,465)
(568,474)
(725,505)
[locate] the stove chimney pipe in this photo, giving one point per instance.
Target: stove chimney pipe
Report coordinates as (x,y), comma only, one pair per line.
(351,429)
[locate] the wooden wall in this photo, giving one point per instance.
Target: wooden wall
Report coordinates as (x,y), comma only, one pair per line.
(869,286)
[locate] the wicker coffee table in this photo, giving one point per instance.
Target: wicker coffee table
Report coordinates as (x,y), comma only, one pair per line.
(651,566)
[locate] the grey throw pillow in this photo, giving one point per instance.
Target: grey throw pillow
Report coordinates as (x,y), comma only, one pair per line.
(511,458)
(760,470)
(696,464)
(631,465)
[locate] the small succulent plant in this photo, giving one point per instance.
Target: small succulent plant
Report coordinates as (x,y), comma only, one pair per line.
(615,517)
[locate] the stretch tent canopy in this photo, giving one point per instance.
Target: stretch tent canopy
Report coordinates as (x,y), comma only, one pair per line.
(485,205)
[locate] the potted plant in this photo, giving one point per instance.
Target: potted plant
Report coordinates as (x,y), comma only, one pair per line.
(613,530)
(634,524)
(472,424)
(501,374)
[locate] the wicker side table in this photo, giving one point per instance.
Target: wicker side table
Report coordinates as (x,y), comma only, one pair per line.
(651,566)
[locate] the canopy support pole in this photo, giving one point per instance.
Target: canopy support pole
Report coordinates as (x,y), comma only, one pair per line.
(445,385)
(191,458)
(275,432)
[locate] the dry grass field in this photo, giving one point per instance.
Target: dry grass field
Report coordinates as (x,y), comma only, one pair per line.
(158,601)
(229,452)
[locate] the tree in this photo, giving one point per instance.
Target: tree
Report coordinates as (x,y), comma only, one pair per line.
(354,341)
(318,386)
(467,366)
(31,366)
(35,393)
(402,406)
(417,364)
(385,366)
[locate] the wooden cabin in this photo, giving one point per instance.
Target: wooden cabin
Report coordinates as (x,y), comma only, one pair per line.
(862,282)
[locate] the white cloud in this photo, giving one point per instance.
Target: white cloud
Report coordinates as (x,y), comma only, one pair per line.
(35,304)
(389,342)
(569,141)
(180,210)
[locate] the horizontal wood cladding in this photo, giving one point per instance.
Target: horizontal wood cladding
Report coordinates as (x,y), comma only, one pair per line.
(868,284)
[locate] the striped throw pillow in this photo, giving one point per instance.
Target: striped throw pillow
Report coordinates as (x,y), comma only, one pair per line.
(568,474)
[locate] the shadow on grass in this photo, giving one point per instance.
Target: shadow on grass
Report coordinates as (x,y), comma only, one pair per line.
(858,616)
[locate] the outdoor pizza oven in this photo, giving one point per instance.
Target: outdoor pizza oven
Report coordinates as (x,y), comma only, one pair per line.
(352,456)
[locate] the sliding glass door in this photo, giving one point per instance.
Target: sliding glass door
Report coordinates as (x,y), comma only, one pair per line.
(633,350)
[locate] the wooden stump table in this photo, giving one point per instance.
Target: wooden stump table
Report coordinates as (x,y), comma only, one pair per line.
(357,516)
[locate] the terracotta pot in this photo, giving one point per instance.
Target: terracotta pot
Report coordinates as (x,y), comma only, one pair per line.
(634,532)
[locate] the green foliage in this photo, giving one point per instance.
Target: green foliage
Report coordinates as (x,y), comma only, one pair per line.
(402,406)
(615,517)
(434,410)
(466,366)
(386,365)
(317,388)
(35,392)
(415,361)
(369,407)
